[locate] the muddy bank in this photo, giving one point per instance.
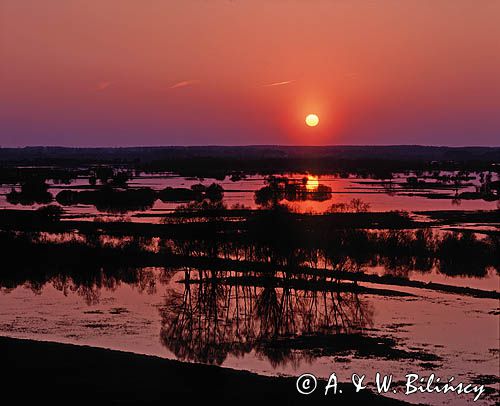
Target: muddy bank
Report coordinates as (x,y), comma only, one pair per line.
(42,371)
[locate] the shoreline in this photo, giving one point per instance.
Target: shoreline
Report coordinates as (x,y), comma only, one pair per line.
(54,372)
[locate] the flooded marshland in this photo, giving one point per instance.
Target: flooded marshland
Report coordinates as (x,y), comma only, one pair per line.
(276,274)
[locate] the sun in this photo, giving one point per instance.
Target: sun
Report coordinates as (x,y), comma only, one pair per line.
(312,120)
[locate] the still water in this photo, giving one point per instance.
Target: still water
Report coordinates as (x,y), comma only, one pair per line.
(381,196)
(275,326)
(268,330)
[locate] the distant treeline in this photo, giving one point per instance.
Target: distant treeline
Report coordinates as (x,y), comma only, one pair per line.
(217,160)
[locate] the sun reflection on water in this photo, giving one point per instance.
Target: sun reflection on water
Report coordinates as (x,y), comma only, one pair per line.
(312,183)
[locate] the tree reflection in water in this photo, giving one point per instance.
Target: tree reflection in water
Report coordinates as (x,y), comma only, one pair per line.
(211,319)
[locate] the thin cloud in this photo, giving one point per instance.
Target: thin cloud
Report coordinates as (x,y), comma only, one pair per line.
(352,75)
(103,85)
(184,83)
(286,82)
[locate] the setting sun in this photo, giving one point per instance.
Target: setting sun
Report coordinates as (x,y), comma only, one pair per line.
(312,120)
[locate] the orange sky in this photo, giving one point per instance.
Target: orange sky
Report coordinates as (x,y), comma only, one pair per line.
(162,72)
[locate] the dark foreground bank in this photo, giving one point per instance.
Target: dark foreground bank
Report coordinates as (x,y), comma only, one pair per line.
(68,374)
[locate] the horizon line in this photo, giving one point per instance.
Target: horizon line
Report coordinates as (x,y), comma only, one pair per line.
(245,146)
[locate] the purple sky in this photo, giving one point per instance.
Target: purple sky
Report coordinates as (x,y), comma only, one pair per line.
(192,72)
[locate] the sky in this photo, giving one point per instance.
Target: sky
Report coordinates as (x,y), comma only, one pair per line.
(246,72)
